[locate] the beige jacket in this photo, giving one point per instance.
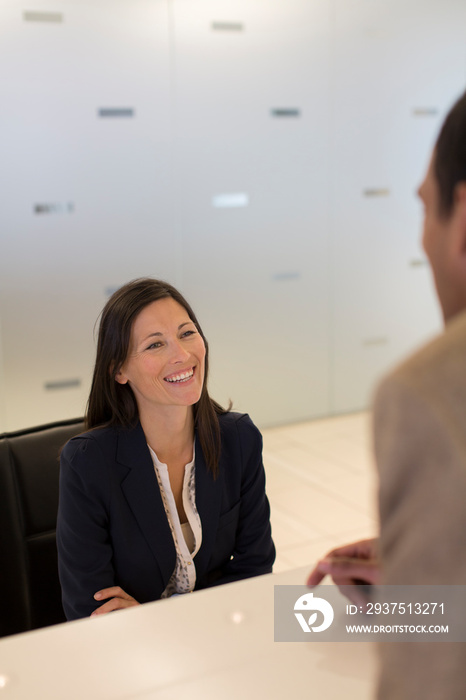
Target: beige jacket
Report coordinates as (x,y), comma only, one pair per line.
(420,447)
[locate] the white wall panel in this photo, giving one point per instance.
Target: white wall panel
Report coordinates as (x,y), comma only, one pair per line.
(258,274)
(103,185)
(2,388)
(398,66)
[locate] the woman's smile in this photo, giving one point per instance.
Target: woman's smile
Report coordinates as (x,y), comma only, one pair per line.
(180,377)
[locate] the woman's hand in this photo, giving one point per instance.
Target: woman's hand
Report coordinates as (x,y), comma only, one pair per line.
(118,600)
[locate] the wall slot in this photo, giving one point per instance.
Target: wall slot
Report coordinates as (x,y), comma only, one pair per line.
(53,17)
(125,112)
(418,262)
(285,112)
(233,200)
(425,111)
(62,384)
(286,276)
(227,26)
(66,208)
(376,192)
(371,342)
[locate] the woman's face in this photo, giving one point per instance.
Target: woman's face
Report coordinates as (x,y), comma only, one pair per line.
(166,357)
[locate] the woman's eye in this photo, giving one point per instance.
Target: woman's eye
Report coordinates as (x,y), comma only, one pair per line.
(154,345)
(188,333)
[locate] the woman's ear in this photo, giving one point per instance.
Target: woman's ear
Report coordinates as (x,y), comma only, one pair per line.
(120,377)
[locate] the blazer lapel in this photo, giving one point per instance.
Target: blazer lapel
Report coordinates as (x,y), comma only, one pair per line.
(208,504)
(141,490)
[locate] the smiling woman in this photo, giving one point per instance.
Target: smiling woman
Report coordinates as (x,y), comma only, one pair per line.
(165,492)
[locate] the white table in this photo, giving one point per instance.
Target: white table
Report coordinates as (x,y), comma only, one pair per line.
(217,643)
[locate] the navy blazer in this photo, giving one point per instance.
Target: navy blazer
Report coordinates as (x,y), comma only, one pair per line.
(112,529)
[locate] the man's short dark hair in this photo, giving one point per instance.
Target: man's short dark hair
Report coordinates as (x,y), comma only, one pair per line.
(450,155)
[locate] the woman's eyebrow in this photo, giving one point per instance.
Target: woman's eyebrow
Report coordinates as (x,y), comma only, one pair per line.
(158,333)
(151,335)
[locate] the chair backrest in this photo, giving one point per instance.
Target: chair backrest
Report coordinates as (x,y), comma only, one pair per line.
(29,471)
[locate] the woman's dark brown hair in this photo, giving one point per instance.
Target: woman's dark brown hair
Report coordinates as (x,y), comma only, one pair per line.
(113,404)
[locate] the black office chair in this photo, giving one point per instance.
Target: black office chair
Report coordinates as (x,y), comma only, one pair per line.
(29,466)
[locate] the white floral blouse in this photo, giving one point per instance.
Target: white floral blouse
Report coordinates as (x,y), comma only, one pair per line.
(187,536)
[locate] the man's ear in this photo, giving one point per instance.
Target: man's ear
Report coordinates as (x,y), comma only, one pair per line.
(460,220)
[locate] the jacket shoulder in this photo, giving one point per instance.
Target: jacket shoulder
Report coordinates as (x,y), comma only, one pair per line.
(234,422)
(89,442)
(238,428)
(436,365)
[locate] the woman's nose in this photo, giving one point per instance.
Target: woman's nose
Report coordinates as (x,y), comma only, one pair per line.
(179,353)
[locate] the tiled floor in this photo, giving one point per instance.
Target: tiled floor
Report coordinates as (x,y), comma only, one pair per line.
(321,485)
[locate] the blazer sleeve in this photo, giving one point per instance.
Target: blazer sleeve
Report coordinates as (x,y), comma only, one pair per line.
(84,550)
(421,456)
(254,550)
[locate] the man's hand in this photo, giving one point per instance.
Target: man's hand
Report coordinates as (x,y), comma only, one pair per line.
(351,565)
(118,600)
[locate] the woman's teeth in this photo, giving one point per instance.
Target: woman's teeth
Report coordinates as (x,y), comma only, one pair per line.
(183,377)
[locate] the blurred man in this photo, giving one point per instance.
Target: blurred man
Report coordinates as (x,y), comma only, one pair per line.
(420,446)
